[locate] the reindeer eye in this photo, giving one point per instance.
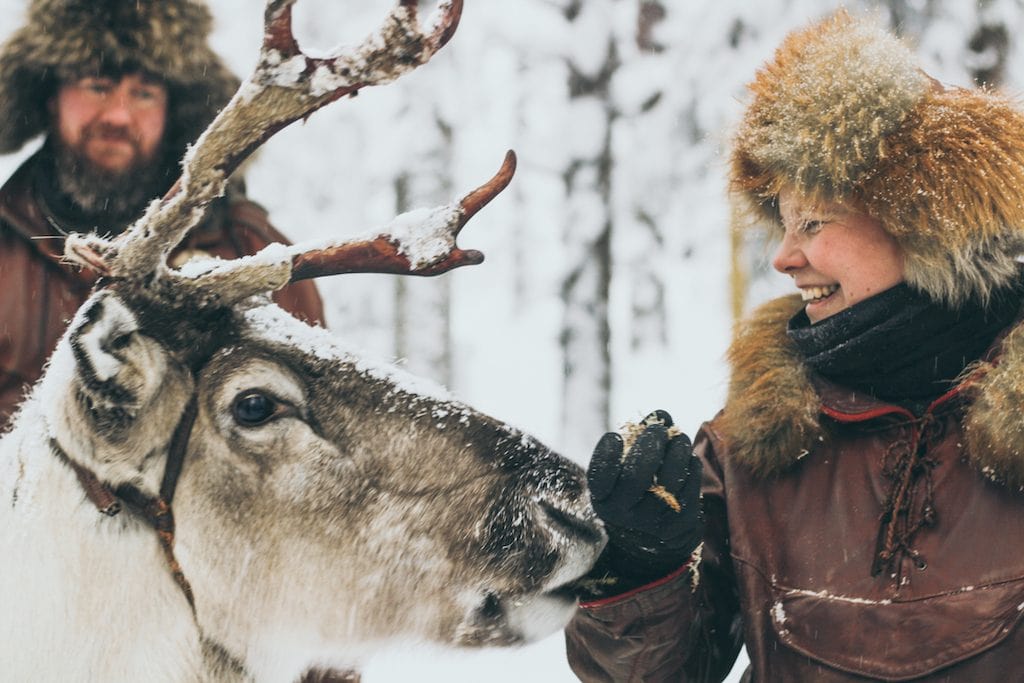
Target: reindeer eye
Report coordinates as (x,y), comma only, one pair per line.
(253,408)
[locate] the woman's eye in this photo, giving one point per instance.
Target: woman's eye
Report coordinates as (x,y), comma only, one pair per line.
(253,408)
(811,227)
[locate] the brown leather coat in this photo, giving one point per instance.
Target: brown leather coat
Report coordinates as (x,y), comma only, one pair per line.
(803,494)
(38,294)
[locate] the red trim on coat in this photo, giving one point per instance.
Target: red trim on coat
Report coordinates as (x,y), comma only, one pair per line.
(840,416)
(603,602)
(880,411)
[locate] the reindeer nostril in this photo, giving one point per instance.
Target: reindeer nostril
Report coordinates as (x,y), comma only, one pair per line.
(570,525)
(491,607)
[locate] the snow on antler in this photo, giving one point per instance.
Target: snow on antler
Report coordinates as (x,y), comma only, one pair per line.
(418,242)
(287,85)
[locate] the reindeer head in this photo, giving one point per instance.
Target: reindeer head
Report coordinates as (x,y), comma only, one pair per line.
(322,502)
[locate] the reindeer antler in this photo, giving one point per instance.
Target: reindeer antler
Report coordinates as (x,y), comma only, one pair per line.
(288,85)
(420,242)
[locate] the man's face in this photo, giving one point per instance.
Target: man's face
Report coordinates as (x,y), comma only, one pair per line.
(114,124)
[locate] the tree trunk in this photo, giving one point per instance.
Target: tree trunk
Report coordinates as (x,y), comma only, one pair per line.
(588,227)
(423,305)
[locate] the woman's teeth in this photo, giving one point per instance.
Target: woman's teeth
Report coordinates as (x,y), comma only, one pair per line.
(816,293)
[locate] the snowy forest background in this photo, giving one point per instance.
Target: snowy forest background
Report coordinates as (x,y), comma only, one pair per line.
(612,275)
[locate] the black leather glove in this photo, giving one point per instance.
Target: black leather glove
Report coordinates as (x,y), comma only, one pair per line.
(649,501)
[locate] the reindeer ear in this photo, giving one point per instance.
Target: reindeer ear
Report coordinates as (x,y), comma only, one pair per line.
(118,369)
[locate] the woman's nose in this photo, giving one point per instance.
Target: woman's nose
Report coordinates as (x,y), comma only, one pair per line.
(789,256)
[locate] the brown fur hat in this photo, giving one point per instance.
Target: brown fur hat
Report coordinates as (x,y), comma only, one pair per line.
(66,38)
(843,113)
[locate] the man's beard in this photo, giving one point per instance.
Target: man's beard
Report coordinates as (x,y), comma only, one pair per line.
(111,198)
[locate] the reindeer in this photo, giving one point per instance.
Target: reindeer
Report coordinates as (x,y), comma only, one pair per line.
(322,505)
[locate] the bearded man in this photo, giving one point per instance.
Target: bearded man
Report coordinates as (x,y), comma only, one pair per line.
(118,88)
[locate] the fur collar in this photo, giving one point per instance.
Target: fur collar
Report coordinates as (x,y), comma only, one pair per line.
(773,414)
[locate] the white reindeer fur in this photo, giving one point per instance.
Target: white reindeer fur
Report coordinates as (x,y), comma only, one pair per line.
(85,597)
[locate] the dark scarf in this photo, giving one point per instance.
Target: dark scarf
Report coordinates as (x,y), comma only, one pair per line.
(899,345)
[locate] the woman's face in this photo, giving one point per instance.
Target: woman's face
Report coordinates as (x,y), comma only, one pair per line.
(836,255)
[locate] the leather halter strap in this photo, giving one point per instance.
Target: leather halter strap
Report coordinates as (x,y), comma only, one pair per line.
(155,511)
(176,451)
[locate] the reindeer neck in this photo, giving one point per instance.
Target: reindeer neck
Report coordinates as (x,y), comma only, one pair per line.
(154,510)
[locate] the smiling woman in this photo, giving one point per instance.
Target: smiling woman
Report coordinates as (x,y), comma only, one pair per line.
(870,443)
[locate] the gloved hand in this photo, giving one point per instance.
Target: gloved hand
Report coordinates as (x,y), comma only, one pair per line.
(649,500)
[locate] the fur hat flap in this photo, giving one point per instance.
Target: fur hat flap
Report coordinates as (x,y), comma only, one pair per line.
(951,190)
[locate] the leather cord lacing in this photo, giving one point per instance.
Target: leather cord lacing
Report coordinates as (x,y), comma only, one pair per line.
(909,507)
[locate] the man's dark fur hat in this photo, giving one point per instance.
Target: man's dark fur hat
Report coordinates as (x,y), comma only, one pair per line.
(67,38)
